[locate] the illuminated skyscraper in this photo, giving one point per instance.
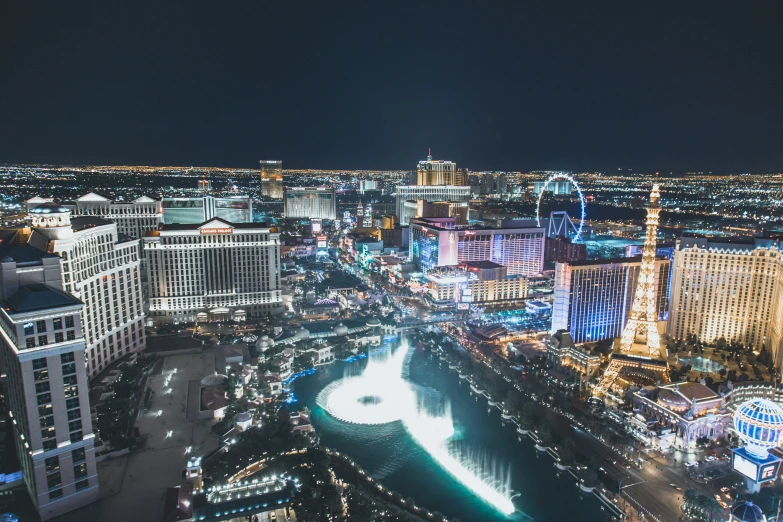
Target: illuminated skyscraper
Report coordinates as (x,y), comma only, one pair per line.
(42,352)
(310,202)
(435,242)
(730,289)
(440,172)
(592,299)
(272,179)
(213,271)
(101,269)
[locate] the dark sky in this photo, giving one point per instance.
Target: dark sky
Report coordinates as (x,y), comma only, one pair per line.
(337,84)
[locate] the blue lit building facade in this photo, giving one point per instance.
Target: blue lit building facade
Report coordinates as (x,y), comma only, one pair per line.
(437,242)
(592,298)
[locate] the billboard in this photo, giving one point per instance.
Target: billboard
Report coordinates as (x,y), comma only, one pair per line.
(768,471)
(745,466)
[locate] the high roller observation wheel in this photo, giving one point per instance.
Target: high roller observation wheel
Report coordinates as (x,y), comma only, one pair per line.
(566,177)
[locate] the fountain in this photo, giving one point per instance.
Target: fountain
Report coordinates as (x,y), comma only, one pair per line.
(381,394)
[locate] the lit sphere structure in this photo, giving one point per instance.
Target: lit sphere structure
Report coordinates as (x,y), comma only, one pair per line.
(759,423)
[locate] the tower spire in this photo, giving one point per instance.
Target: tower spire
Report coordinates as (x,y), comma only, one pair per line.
(429,154)
(642,325)
(640,338)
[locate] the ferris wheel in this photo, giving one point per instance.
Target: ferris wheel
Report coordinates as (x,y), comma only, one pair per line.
(566,177)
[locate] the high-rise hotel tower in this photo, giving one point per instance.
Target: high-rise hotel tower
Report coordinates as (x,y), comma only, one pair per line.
(42,354)
(101,269)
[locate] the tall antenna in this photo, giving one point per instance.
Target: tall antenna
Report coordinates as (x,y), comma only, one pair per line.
(429,154)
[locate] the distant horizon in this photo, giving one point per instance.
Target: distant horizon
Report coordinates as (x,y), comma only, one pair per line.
(413,169)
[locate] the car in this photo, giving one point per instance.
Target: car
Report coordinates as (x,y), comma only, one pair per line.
(602,469)
(710,458)
(724,489)
(273,516)
(675,486)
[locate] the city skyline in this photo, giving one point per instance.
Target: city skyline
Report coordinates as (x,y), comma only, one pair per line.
(518,87)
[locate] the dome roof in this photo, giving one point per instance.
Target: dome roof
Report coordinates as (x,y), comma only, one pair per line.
(373,322)
(215,379)
(273,230)
(303,333)
(49,208)
(242,416)
(747,511)
(759,423)
(341,329)
(264,343)
(672,400)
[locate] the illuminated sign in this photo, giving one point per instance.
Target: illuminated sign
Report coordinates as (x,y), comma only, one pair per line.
(745,466)
(768,472)
(216,231)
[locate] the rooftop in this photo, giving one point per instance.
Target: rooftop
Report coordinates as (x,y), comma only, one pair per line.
(38,296)
(482,264)
(84,222)
(23,253)
(196,226)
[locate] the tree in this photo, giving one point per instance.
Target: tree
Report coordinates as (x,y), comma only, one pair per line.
(588,477)
(721,343)
(545,434)
(527,418)
(691,496)
(567,451)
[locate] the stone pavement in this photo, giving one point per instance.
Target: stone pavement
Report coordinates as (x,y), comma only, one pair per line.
(133,487)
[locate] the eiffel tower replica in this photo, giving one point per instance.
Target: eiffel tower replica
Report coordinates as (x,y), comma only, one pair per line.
(639,354)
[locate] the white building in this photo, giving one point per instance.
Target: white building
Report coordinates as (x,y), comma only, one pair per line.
(310,202)
(678,415)
(728,289)
(133,218)
(42,353)
(476,282)
(213,271)
(101,270)
(436,242)
(455,193)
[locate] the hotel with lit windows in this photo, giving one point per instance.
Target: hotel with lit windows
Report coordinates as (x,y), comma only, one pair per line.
(213,271)
(101,268)
(437,242)
(731,289)
(592,299)
(42,355)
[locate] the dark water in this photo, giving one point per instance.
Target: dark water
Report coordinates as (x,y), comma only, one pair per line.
(391,456)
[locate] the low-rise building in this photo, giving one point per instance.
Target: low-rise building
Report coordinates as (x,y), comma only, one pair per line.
(476,282)
(562,354)
(690,410)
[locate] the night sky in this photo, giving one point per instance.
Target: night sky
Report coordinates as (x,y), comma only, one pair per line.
(490,84)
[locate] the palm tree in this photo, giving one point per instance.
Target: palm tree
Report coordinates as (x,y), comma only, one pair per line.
(712,509)
(691,498)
